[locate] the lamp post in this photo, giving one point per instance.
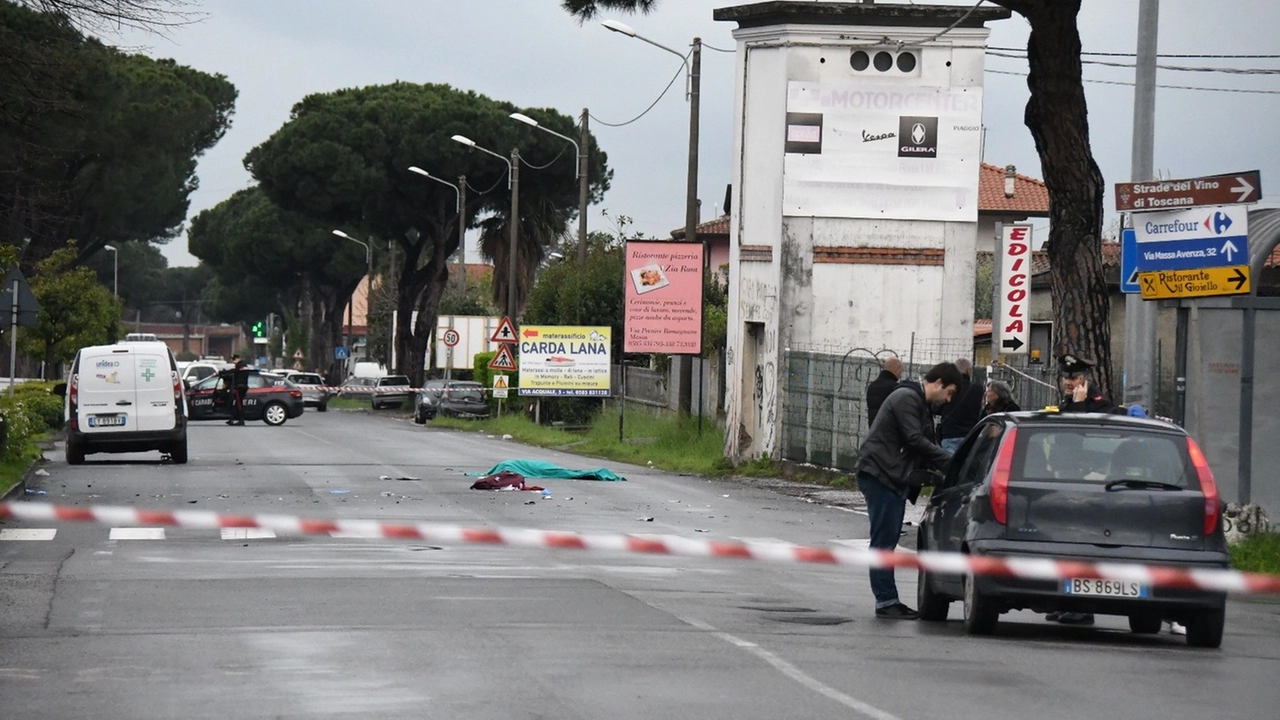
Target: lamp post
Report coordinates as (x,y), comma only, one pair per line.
(461,191)
(115,269)
(694,68)
(581,175)
(351,304)
(513,183)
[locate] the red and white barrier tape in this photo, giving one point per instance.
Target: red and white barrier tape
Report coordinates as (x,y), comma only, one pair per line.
(1029,568)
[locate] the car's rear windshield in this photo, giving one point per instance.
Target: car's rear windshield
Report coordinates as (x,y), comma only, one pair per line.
(395,381)
(1103,455)
(467,392)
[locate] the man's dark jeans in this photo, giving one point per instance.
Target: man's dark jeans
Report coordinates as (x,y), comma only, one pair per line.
(885,509)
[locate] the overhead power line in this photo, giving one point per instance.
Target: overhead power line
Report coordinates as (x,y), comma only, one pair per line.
(1175,68)
(1170,87)
(1162,55)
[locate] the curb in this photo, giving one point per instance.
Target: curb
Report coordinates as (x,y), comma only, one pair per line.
(19,489)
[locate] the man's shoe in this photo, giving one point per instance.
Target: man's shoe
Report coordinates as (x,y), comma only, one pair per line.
(897,611)
(231,422)
(1053,616)
(1074,618)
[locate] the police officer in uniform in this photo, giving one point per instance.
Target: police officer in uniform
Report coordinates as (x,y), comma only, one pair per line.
(1077,395)
(239,386)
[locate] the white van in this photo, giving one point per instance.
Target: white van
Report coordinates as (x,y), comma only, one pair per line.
(125,398)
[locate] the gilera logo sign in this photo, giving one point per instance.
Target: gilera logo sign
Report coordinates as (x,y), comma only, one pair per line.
(917,136)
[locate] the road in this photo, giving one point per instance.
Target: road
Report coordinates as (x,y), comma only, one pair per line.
(160,623)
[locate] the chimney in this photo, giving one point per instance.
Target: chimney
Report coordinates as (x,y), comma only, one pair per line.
(1009,179)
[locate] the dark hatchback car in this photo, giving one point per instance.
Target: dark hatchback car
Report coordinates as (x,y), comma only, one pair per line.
(450,398)
(1088,487)
(270,398)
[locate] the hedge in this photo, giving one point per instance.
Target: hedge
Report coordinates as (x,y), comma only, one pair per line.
(32,410)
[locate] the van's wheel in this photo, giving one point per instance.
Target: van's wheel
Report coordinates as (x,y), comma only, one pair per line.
(980,612)
(1204,629)
(323,407)
(274,414)
(75,452)
(178,452)
(1144,624)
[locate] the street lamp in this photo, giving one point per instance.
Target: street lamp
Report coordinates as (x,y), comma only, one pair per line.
(581,176)
(461,190)
(368,296)
(115,269)
(694,68)
(513,183)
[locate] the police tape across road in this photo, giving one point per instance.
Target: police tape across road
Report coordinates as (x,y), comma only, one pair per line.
(948,563)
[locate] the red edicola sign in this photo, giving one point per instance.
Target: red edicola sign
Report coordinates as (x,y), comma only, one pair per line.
(1015,286)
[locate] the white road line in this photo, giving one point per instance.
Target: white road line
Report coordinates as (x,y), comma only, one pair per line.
(136,533)
(795,673)
(28,533)
(247,533)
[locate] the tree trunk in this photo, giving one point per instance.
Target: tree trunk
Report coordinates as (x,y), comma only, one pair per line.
(1058,119)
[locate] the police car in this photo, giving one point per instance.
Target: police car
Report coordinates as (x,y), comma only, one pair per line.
(270,398)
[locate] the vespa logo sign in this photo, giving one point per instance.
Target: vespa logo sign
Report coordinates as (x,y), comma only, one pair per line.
(918,136)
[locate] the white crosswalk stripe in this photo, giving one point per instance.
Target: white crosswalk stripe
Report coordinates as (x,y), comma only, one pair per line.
(863,544)
(247,534)
(28,533)
(136,533)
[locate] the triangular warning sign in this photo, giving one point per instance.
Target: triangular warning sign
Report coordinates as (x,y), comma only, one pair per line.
(506,333)
(1133,278)
(504,360)
(499,382)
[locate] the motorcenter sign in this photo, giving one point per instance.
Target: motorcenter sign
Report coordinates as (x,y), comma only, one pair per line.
(1190,239)
(558,360)
(1228,189)
(1015,285)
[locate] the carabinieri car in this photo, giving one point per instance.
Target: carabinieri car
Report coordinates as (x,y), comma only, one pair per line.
(270,398)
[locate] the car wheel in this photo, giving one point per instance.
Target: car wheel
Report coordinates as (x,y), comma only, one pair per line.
(75,453)
(178,452)
(419,418)
(1204,629)
(1144,624)
(323,407)
(274,414)
(980,612)
(933,607)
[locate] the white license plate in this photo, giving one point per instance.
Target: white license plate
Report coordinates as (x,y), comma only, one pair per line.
(1105,588)
(106,420)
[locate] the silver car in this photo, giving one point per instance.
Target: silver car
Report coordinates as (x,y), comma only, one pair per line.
(315,393)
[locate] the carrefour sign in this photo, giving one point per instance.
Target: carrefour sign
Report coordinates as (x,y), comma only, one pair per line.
(564,360)
(1192,239)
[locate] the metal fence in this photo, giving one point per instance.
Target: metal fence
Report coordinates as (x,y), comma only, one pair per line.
(824,392)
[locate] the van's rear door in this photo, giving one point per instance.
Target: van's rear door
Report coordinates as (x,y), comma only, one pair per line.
(154,385)
(108,401)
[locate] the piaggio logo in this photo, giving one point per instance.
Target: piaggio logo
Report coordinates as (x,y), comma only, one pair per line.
(918,136)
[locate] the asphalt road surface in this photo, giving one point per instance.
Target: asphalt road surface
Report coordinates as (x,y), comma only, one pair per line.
(102,622)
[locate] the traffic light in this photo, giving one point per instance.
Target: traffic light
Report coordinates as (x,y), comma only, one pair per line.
(259,328)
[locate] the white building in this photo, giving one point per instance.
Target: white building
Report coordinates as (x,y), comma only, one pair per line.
(857,155)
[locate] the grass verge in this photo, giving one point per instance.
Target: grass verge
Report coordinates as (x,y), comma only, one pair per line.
(665,441)
(1258,553)
(12,470)
(354,404)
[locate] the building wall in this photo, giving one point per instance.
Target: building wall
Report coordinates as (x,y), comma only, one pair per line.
(870,296)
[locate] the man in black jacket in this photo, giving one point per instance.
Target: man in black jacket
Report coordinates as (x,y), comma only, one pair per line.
(963,412)
(239,386)
(879,389)
(901,441)
(1077,395)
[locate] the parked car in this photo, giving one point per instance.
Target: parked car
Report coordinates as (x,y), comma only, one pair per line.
(388,391)
(463,399)
(1089,487)
(196,371)
(124,398)
(427,403)
(270,398)
(315,392)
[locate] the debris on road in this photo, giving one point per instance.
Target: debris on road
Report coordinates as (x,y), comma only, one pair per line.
(402,477)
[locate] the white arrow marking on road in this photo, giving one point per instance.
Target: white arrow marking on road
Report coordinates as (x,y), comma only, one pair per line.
(1244,189)
(1229,248)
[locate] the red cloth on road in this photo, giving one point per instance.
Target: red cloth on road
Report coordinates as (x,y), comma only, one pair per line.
(503,480)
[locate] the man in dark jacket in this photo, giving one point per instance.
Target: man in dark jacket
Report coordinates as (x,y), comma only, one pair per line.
(1077,395)
(239,386)
(879,389)
(963,412)
(901,441)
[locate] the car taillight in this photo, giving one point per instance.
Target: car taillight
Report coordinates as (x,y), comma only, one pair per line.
(295,393)
(1000,477)
(177,387)
(1207,486)
(73,399)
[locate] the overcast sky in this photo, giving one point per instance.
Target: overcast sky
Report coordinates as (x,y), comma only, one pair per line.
(531,53)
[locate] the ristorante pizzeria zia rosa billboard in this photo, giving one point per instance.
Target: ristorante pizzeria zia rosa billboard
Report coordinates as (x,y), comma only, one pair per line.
(663,294)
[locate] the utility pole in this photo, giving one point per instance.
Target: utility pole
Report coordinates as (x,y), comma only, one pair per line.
(513,250)
(691,206)
(582,196)
(1140,316)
